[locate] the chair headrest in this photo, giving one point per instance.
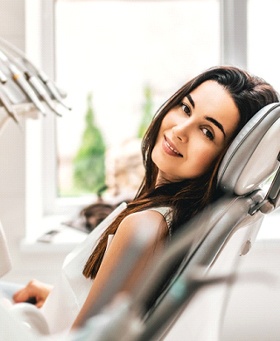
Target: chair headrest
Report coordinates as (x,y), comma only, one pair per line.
(252,156)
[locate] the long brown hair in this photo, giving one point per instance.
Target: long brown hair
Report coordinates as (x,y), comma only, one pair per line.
(187,197)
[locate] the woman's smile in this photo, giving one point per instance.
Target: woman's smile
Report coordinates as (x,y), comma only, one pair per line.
(169,148)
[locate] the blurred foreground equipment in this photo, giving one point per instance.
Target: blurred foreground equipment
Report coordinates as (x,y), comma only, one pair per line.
(24,89)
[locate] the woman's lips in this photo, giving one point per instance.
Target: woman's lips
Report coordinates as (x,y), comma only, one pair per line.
(169,148)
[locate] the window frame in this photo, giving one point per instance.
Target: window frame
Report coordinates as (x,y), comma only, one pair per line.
(233,30)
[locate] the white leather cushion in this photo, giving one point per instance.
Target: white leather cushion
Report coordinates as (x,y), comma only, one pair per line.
(252,156)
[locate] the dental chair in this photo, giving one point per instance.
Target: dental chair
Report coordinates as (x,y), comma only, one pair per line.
(209,249)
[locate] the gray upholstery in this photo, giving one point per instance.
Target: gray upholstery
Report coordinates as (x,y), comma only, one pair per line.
(210,248)
(252,156)
(225,233)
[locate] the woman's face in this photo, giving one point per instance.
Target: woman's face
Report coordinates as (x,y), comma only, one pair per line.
(194,133)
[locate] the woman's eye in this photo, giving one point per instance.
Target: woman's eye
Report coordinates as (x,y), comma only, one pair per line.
(208,134)
(186,108)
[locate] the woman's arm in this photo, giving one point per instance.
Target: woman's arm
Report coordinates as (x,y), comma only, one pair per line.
(149,222)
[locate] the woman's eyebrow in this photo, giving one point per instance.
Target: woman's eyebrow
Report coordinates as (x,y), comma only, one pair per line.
(217,124)
(189,97)
(210,119)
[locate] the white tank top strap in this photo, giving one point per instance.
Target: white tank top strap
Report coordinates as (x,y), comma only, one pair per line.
(166,212)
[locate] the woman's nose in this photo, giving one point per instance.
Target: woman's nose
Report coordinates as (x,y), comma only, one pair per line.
(181,131)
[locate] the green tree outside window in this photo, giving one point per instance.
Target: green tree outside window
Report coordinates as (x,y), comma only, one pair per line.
(147,112)
(89,162)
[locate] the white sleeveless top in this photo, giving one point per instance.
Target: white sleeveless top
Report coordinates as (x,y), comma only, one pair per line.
(71,290)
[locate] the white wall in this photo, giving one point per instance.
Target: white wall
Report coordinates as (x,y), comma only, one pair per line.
(12,172)
(12,141)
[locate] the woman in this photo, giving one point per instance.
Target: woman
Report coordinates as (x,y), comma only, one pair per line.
(182,150)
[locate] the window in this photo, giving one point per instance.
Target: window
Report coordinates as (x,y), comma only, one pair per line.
(263,53)
(116,51)
(209,33)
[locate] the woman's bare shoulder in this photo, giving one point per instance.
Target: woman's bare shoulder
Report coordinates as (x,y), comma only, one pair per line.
(144,221)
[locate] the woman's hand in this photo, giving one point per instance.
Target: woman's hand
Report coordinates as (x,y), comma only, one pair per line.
(34,291)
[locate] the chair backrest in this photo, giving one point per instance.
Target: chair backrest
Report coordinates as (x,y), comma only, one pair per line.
(210,245)
(225,232)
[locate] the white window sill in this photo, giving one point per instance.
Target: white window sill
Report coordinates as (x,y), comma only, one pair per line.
(63,240)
